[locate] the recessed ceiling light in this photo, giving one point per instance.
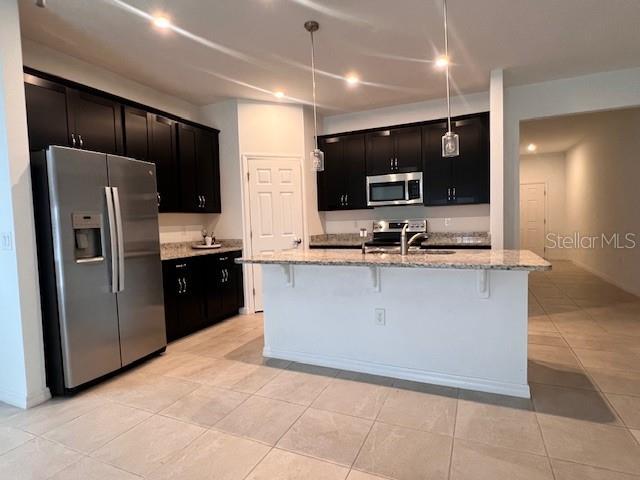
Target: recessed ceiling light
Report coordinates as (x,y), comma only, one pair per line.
(278,94)
(442,61)
(532,147)
(162,22)
(352,79)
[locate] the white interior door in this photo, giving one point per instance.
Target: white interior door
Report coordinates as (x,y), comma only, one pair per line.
(532,217)
(275,209)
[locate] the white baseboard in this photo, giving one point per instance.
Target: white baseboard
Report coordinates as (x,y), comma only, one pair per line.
(19,400)
(606,277)
(466,383)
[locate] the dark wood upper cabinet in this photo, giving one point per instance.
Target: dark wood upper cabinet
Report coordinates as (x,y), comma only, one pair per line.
(46,113)
(189,196)
(137,132)
(95,123)
(342,184)
(199,169)
(163,152)
(457,180)
(380,151)
(408,149)
(186,155)
(397,150)
(208,170)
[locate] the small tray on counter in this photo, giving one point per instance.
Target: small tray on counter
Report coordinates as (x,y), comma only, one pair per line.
(202,246)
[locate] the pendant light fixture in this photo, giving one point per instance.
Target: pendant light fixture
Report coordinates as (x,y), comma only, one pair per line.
(317,156)
(450,140)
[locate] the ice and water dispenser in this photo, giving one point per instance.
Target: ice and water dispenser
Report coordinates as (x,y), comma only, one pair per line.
(87,230)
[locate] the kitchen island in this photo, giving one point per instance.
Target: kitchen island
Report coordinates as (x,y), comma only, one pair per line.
(455,319)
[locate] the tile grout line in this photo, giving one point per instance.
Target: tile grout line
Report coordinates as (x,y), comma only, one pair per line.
(453,434)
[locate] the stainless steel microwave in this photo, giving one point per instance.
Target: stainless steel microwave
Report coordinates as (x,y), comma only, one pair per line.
(394,189)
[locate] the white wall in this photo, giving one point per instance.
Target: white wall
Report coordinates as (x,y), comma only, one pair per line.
(407,113)
(602,185)
(22,378)
(62,65)
(461,218)
(549,169)
(588,93)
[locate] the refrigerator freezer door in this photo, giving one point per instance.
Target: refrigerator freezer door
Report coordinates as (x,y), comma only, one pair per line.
(87,309)
(140,297)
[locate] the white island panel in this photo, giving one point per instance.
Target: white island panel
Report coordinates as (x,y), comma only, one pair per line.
(463,328)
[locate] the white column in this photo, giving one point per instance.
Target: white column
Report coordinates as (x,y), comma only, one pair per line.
(496,107)
(22,379)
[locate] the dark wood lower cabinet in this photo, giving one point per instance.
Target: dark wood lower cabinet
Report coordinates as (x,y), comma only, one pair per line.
(200,291)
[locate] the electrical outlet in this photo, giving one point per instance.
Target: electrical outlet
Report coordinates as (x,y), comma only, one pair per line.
(379,316)
(6,241)
(447,222)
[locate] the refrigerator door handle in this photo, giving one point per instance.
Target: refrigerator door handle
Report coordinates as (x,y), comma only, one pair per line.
(120,238)
(112,240)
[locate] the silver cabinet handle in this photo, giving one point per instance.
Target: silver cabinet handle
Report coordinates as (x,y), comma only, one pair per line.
(341,200)
(396,162)
(448,193)
(346,199)
(226,275)
(204,201)
(454,193)
(73,140)
(185,285)
(391,162)
(159,199)
(81,142)
(180,287)
(113,243)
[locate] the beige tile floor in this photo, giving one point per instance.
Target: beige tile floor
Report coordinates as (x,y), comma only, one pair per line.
(213,408)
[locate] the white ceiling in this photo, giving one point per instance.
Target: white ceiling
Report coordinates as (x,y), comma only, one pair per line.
(558,134)
(248,48)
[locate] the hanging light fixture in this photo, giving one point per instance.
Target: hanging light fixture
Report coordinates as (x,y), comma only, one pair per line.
(450,140)
(317,156)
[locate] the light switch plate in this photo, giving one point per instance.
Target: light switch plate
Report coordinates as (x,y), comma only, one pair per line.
(379,316)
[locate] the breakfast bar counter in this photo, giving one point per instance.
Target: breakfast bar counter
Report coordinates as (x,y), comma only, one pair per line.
(449,318)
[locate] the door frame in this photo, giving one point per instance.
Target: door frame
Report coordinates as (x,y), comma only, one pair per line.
(247,249)
(546,214)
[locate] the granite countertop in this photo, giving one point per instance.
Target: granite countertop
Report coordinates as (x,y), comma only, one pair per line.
(171,251)
(442,239)
(460,259)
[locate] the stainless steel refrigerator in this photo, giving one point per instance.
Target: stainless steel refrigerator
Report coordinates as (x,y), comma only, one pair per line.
(99,263)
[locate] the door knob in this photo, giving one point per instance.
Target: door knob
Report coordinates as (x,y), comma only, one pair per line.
(297,241)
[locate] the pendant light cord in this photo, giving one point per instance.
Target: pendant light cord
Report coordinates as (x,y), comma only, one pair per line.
(313,82)
(446,54)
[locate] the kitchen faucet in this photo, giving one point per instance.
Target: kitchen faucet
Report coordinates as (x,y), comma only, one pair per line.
(404,244)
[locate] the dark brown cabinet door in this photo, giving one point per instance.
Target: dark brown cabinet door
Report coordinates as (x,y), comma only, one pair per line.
(353,158)
(470,171)
(184,303)
(460,180)
(331,182)
(342,184)
(380,151)
(190,199)
(137,130)
(437,169)
(46,113)
(95,123)
(208,171)
(163,153)
(408,149)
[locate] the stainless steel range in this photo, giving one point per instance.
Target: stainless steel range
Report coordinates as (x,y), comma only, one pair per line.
(387,233)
